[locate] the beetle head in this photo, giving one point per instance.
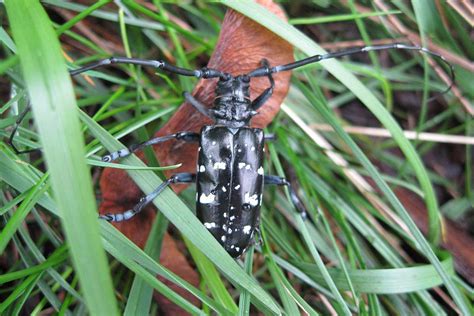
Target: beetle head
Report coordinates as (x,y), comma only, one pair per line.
(232,105)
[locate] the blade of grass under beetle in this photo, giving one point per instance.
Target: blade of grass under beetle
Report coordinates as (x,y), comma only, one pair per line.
(187,223)
(244,299)
(290,298)
(288,302)
(321,267)
(213,281)
(55,112)
(259,14)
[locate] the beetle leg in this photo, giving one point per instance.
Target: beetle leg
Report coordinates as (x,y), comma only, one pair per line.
(257,240)
(10,142)
(158,64)
(267,93)
(184,177)
(186,136)
(197,105)
(265,71)
(270,137)
(270,179)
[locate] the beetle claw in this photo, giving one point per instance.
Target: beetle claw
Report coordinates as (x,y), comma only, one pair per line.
(108,217)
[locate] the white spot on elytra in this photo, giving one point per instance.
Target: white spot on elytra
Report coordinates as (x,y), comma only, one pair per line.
(210,225)
(247,167)
(225,215)
(202,168)
(252,200)
(223,238)
(214,143)
(232,246)
(220,165)
(232,207)
(206,199)
(232,217)
(224,189)
(246,229)
(239,150)
(237,248)
(237,187)
(253,148)
(229,230)
(224,227)
(241,165)
(260,170)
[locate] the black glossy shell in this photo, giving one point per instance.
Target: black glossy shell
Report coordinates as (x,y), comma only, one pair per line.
(229,184)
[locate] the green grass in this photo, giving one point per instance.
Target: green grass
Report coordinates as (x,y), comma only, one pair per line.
(359,252)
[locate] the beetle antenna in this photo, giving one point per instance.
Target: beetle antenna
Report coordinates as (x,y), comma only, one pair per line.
(158,64)
(263,71)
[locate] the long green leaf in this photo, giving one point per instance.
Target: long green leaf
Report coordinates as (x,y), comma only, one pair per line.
(55,112)
(381,281)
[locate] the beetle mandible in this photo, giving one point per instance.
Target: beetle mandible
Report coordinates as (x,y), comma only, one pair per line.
(229,173)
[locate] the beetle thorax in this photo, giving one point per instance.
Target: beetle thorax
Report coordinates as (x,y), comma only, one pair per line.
(232,105)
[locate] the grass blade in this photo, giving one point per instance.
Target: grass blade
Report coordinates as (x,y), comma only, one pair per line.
(55,112)
(18,217)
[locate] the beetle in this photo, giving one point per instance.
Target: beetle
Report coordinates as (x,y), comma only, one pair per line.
(229,172)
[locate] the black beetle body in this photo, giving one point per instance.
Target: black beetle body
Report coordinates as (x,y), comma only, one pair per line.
(229,184)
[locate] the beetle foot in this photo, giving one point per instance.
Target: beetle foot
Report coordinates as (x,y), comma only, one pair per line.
(116,155)
(108,217)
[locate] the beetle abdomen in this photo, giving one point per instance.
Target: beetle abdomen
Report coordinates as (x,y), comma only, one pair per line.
(229,184)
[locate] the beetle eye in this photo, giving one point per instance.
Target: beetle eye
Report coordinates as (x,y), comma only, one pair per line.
(246,207)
